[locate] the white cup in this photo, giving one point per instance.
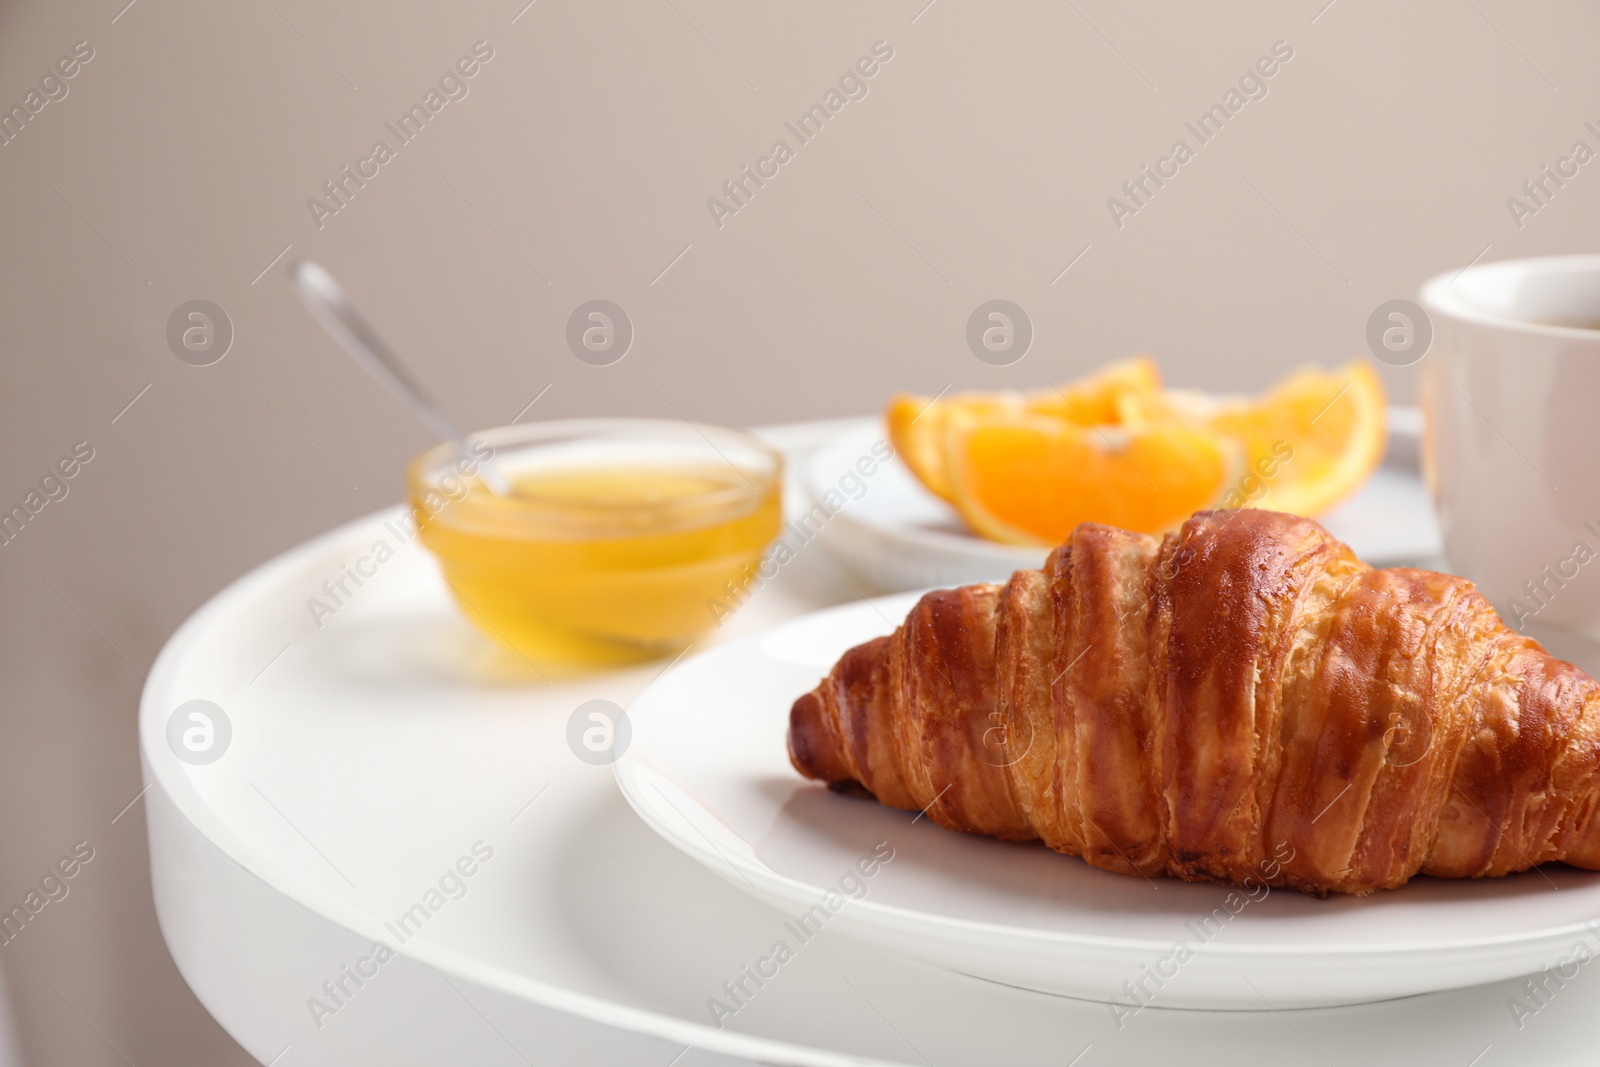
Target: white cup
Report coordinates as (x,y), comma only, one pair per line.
(1511,439)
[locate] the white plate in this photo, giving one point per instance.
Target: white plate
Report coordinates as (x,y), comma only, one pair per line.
(894,535)
(391,741)
(708,771)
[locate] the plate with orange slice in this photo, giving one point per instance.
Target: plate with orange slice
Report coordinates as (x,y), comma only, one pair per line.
(985,483)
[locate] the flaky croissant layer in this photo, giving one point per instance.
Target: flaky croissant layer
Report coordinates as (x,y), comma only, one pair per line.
(1199,704)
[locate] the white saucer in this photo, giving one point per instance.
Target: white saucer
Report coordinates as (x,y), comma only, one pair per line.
(708,771)
(893,535)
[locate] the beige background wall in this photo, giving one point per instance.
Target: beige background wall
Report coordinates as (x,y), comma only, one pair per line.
(579,166)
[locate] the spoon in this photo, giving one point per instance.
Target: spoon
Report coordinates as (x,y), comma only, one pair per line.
(327,303)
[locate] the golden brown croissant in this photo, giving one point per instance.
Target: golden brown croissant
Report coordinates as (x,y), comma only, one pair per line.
(1206,704)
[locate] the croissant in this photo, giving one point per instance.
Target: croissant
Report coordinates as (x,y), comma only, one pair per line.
(1243,699)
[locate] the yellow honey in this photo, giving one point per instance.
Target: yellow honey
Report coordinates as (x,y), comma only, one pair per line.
(614,541)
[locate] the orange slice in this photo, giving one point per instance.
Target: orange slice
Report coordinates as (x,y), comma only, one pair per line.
(918,425)
(917,430)
(1310,442)
(1031,479)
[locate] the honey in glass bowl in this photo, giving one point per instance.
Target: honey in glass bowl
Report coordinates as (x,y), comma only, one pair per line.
(616,540)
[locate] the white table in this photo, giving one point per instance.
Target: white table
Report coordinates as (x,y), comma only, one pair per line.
(368,757)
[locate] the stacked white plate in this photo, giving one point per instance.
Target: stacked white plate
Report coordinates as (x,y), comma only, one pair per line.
(375,760)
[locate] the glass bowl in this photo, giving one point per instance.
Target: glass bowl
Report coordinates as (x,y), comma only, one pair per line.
(620,540)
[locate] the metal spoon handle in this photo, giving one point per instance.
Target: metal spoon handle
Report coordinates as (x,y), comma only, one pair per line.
(327,302)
